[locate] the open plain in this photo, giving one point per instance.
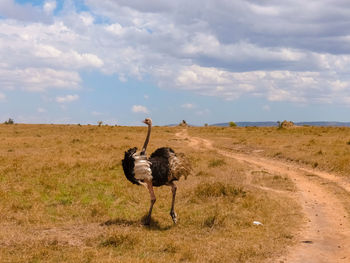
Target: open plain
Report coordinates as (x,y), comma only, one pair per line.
(64,197)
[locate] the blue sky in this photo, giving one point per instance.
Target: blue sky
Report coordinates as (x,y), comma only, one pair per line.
(205,61)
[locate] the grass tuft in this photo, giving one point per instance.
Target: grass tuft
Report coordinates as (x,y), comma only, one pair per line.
(213,220)
(218,189)
(125,241)
(210,221)
(203,174)
(216,163)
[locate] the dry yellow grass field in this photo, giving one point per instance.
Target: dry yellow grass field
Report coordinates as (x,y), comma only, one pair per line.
(64,197)
(324,148)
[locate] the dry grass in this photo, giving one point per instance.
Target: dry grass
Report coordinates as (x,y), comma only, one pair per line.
(325,148)
(274,182)
(64,198)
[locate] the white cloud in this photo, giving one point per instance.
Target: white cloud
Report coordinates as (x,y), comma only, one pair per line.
(36,56)
(293,86)
(265,10)
(85,59)
(27,12)
(339,85)
(346,100)
(46,51)
(266,108)
(188,106)
(86,18)
(230,65)
(277,51)
(139,109)
(38,79)
(49,6)
(2,96)
(203,112)
(279,95)
(116,29)
(41,110)
(67,98)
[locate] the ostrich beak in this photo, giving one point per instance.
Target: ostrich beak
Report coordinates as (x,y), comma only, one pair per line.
(144,121)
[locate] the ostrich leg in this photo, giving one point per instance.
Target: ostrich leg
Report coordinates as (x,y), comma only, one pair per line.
(172,212)
(153,200)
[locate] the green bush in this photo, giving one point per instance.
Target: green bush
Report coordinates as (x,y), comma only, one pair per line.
(232,124)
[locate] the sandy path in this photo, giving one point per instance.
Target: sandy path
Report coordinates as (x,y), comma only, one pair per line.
(326,234)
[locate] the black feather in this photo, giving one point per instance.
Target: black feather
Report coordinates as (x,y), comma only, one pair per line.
(160,170)
(164,152)
(128,165)
(160,166)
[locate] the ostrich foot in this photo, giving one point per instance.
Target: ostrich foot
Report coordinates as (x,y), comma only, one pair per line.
(173,216)
(146,220)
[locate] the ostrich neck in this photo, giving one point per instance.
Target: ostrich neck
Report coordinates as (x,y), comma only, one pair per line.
(146,141)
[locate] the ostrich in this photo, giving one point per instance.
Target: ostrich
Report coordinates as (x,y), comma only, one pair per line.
(162,168)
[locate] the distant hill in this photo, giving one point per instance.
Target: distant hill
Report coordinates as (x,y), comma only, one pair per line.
(273,123)
(325,123)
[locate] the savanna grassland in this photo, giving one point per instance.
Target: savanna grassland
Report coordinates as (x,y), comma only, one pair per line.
(64,197)
(324,148)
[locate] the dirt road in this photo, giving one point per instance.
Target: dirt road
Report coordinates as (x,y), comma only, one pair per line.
(326,234)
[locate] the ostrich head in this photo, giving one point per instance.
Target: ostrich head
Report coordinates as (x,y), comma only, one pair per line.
(147,121)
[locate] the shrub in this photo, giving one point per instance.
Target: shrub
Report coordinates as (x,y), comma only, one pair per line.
(232,124)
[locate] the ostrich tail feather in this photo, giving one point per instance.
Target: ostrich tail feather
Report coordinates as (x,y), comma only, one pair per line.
(179,166)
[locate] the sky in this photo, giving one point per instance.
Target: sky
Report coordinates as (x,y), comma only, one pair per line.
(203,61)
